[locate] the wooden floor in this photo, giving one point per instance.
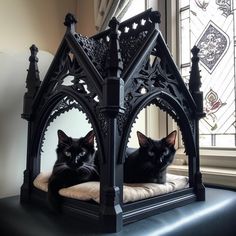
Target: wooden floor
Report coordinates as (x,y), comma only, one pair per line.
(216,216)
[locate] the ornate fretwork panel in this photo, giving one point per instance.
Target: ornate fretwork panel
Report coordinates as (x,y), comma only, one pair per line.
(70,75)
(64,105)
(56,70)
(96,51)
(102,122)
(130,43)
(156,76)
(157,82)
(133,34)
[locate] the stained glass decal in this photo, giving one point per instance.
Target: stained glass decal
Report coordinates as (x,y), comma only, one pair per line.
(211,25)
(213,43)
(212,104)
(224,6)
(203,4)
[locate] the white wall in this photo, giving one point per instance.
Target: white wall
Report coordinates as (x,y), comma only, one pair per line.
(73,123)
(14,129)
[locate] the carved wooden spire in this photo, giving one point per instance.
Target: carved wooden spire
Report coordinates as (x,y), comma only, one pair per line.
(70,22)
(155,16)
(32,82)
(194,87)
(113,87)
(114,60)
(195,78)
(195,82)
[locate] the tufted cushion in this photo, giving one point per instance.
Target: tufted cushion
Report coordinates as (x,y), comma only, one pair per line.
(132,192)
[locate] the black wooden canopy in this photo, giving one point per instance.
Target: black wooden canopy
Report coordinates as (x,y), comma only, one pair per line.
(116,74)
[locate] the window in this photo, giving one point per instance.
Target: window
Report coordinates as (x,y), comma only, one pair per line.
(194,18)
(211,26)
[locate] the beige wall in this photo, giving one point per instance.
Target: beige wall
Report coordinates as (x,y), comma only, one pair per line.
(85,17)
(23,22)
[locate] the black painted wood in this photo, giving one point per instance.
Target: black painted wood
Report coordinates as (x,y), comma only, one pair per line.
(116,74)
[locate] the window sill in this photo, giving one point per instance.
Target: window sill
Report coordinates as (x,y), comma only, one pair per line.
(217,158)
(218,166)
(211,175)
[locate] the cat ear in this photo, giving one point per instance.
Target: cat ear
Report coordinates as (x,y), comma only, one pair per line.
(89,138)
(143,140)
(170,138)
(62,137)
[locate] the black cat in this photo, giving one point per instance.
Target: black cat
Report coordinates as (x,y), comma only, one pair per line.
(74,165)
(148,163)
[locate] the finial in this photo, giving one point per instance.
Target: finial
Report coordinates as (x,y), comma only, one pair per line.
(195,83)
(113,92)
(195,50)
(195,78)
(155,16)
(70,21)
(114,60)
(34,51)
(32,82)
(114,24)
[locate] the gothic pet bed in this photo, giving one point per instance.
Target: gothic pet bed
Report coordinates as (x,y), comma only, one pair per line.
(132,192)
(114,75)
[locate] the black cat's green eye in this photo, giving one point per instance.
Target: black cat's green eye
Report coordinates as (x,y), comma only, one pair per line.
(67,153)
(82,153)
(151,153)
(165,151)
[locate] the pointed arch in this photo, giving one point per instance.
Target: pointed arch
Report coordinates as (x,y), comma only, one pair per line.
(167,103)
(45,117)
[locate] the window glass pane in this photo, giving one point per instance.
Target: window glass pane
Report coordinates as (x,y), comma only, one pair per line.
(185,73)
(136,7)
(211,26)
(185,49)
(184,3)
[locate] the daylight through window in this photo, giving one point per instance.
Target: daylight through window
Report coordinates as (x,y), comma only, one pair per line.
(211,25)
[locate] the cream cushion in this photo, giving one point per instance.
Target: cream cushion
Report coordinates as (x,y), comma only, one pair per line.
(132,192)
